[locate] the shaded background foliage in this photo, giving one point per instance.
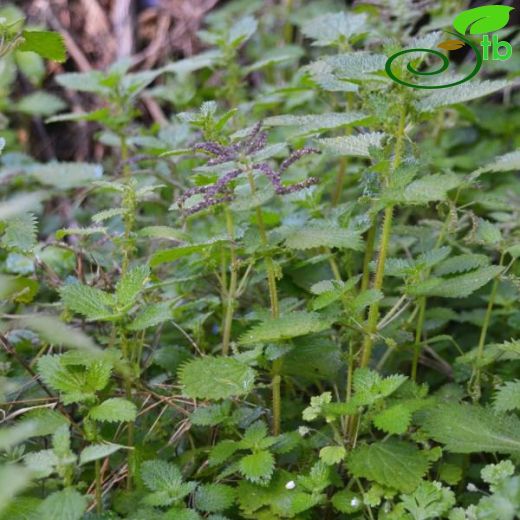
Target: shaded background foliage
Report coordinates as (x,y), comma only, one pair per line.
(244,275)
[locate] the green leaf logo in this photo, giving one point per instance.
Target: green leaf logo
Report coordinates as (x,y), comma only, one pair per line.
(483,19)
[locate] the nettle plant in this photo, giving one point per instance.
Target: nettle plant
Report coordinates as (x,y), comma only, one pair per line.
(297,297)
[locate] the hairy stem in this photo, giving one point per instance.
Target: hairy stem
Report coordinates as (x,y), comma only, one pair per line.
(232,289)
(418,336)
(373,311)
(275,311)
(483,333)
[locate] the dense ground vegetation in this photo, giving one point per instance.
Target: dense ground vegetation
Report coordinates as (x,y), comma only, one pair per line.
(295,297)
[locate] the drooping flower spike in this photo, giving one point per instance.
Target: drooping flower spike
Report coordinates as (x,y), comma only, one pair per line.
(222,190)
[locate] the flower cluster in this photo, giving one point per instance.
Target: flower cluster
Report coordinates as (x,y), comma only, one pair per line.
(222,190)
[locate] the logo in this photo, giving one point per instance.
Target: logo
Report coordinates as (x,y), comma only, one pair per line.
(480,20)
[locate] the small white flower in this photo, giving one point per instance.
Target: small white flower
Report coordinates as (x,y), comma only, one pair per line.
(303,430)
(354,502)
(471,487)
(290,485)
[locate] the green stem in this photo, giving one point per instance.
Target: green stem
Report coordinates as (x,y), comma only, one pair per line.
(288,29)
(483,333)
(275,310)
(99,493)
(232,289)
(418,336)
(373,311)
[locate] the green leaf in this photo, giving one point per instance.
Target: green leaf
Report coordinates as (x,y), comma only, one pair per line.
(212,498)
(460,94)
(151,315)
(461,263)
(323,235)
(394,420)
(20,233)
(41,463)
(63,505)
(316,123)
(165,480)
(130,285)
(98,451)
(465,428)
(291,325)
(55,332)
(487,233)
(49,45)
(169,255)
(507,397)
(504,163)
(346,501)
(115,409)
(394,464)
(70,384)
(354,145)
(91,302)
(334,28)
(331,455)
(430,500)
(484,19)
(222,452)
(457,286)
(65,175)
(40,104)
(216,378)
(431,188)
(257,467)
(241,31)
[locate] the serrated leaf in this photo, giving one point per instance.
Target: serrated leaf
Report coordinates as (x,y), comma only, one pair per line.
(65,175)
(484,19)
(431,188)
(216,378)
(115,409)
(393,464)
(487,233)
(98,451)
(504,163)
(151,315)
(394,420)
(68,504)
(316,123)
(165,480)
(457,286)
(91,302)
(323,235)
(289,326)
(332,455)
(164,232)
(465,428)
(47,44)
(430,500)
(86,231)
(257,467)
(41,463)
(461,264)
(71,385)
(460,94)
(106,214)
(222,452)
(20,233)
(507,397)
(242,30)
(212,498)
(130,285)
(354,145)
(333,28)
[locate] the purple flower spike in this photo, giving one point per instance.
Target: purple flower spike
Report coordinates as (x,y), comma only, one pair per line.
(222,190)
